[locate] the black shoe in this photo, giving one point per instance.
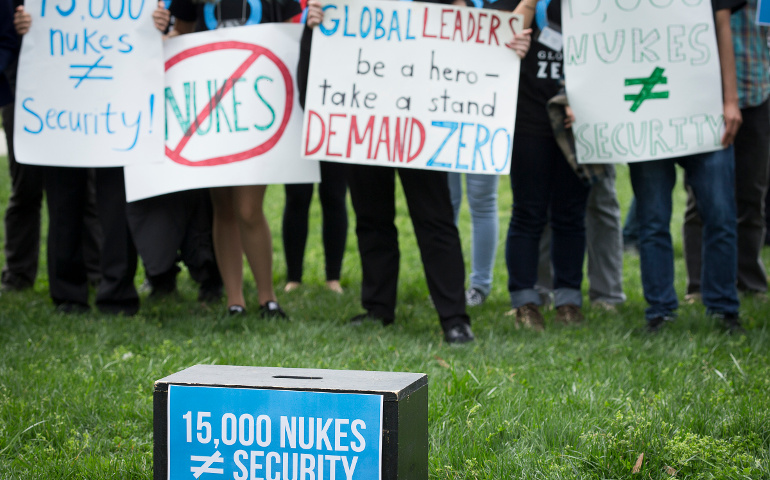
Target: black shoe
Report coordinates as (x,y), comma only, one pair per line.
(73,308)
(271,309)
(730,322)
(209,293)
(236,310)
(460,333)
(655,325)
(368,317)
(126,308)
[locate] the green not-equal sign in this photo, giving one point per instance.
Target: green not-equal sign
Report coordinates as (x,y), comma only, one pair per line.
(646,93)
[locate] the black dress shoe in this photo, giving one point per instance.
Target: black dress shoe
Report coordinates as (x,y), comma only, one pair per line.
(460,333)
(368,317)
(271,309)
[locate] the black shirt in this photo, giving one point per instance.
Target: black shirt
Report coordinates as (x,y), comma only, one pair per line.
(233,13)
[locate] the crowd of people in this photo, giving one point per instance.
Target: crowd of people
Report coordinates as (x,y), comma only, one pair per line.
(561,210)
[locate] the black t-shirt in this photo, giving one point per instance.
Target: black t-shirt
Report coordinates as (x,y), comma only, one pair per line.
(233,13)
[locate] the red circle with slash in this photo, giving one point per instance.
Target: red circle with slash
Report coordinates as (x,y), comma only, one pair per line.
(175,154)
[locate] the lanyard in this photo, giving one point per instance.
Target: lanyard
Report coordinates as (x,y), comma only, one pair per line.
(541,13)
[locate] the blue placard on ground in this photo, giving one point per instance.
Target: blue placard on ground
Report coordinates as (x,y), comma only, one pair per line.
(763,12)
(251,434)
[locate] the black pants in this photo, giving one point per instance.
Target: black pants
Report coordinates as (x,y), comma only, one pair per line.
(66,195)
(171,227)
(22,217)
(372,190)
(331,191)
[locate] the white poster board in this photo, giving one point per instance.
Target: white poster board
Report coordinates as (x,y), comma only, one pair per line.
(232,115)
(415,85)
(90,84)
(643,79)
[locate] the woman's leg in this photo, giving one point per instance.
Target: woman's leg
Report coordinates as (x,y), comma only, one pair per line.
(255,237)
(332,191)
(227,244)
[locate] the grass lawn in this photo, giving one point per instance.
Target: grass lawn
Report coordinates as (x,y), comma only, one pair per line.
(76,391)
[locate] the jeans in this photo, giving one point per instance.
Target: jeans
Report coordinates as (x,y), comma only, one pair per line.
(482,200)
(711,176)
(541,179)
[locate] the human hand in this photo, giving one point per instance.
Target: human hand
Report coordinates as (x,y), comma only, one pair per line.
(161,17)
(22,20)
(733,121)
(569,117)
(520,43)
(315,13)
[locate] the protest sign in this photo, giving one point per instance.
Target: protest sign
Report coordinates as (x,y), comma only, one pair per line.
(643,79)
(232,116)
(413,85)
(89,84)
(763,13)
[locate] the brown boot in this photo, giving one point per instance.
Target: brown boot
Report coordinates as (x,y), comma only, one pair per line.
(569,315)
(529,316)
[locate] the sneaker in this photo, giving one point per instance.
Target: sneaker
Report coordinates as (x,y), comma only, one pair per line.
(569,314)
(458,334)
(271,309)
(368,317)
(730,322)
(474,297)
(655,325)
(236,310)
(529,316)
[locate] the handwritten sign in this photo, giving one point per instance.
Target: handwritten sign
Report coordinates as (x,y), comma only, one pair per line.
(643,79)
(90,84)
(763,13)
(412,85)
(247,434)
(231,110)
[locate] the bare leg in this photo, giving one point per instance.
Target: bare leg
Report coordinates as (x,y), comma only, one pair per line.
(255,237)
(227,244)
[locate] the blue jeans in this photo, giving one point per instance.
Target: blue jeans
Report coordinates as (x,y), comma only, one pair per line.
(543,181)
(712,178)
(482,200)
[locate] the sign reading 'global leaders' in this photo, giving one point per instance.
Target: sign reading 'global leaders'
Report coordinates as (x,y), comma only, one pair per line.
(643,78)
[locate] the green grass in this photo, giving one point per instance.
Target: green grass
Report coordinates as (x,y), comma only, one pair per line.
(76,391)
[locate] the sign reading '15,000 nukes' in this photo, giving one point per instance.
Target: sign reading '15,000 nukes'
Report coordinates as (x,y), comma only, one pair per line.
(412,85)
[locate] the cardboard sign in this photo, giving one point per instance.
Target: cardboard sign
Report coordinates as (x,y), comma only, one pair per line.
(643,78)
(90,83)
(244,434)
(414,85)
(763,13)
(231,113)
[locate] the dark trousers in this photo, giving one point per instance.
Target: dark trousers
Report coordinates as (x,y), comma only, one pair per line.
(331,191)
(372,190)
(22,217)
(543,182)
(66,195)
(752,168)
(171,227)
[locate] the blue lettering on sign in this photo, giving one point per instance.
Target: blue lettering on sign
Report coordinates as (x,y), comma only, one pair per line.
(114,8)
(246,434)
(483,142)
(386,24)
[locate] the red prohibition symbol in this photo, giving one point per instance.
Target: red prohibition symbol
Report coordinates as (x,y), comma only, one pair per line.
(175,153)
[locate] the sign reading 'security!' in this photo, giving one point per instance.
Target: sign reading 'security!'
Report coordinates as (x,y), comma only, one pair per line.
(246,434)
(90,84)
(414,85)
(643,78)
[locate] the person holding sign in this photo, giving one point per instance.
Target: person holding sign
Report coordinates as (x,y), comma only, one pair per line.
(66,194)
(752,160)
(240,225)
(542,181)
(711,176)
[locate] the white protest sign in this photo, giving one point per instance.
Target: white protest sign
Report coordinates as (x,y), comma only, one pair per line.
(89,85)
(232,116)
(414,85)
(643,79)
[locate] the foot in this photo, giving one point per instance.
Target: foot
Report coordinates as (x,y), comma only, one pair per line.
(334,286)
(655,325)
(569,314)
(210,293)
(236,310)
(693,298)
(368,317)
(291,286)
(529,316)
(474,297)
(731,322)
(271,309)
(605,305)
(458,334)
(73,308)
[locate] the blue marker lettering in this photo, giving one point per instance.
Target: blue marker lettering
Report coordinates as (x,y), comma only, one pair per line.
(122,40)
(40,120)
(507,148)
(409,25)
(101,42)
(460,146)
(365,13)
(87,41)
(394,26)
(66,13)
(141,8)
(478,145)
(329,31)
(136,135)
(379,30)
(345,33)
(120,14)
(107,114)
(452,126)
